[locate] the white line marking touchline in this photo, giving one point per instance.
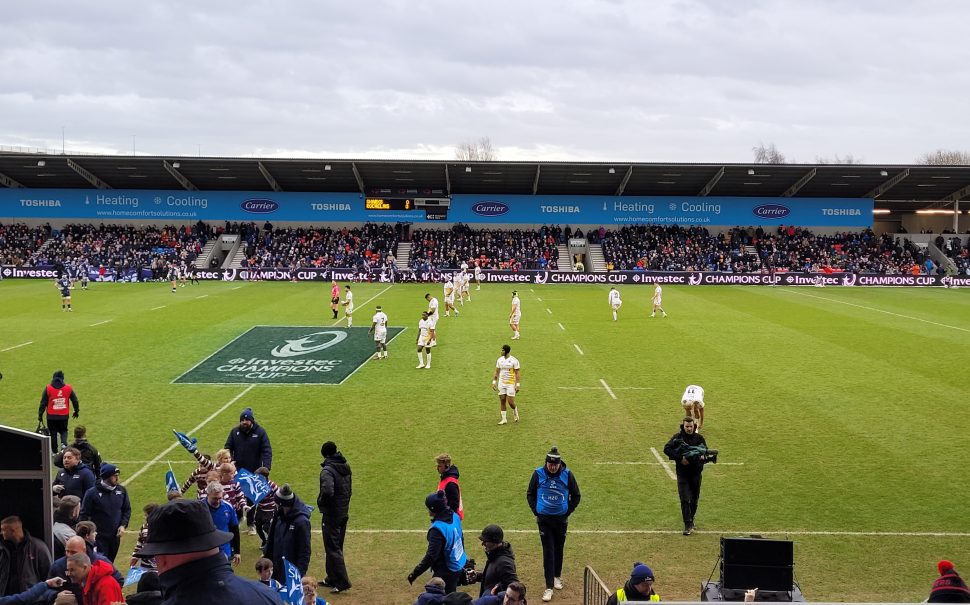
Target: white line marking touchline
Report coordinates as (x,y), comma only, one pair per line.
(663,463)
(203,296)
(561,326)
(842,302)
(157,308)
(549,311)
(236,288)
(608,389)
(23,344)
(190,432)
(580,351)
(720,532)
(598,388)
(99,323)
(538,299)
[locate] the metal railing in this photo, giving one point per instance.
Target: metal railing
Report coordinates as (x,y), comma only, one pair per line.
(595,591)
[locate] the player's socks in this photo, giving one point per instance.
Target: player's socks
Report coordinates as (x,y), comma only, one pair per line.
(456,311)
(515,414)
(428,365)
(504,420)
(350,322)
(614,315)
(420,360)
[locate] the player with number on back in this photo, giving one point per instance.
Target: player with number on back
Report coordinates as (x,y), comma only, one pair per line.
(378,328)
(615,301)
(515,315)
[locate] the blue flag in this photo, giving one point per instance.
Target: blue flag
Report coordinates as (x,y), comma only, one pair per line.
(187,443)
(171,484)
(134,574)
(254,486)
(292,592)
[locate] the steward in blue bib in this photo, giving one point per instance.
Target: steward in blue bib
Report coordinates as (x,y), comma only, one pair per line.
(446,546)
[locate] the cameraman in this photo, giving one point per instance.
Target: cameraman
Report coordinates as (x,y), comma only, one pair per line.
(688,450)
(499,570)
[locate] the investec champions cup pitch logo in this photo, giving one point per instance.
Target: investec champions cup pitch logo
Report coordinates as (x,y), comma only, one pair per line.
(287,355)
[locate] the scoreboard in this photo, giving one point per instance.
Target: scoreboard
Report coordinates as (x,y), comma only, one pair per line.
(435,209)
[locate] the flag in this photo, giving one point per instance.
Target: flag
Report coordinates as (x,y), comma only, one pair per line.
(134,574)
(292,592)
(187,443)
(254,486)
(171,484)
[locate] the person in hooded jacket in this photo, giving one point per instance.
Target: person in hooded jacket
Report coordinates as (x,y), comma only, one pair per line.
(499,570)
(449,484)
(638,588)
(99,587)
(289,536)
(54,401)
(108,506)
(688,450)
(249,445)
(336,487)
(75,478)
(76,545)
(434,593)
(446,551)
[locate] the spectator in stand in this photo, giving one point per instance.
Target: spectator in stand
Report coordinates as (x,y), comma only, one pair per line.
(65,518)
(191,569)
(499,571)
(949,587)
(336,489)
(434,592)
(41,592)
(309,584)
(89,454)
(513,595)
(107,505)
(74,546)
(75,479)
(149,590)
(225,520)
(264,569)
(54,401)
(24,560)
(99,588)
(265,509)
(289,536)
(147,562)
(638,588)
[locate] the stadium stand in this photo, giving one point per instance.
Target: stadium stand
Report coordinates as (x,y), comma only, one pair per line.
(18,243)
(366,248)
(513,250)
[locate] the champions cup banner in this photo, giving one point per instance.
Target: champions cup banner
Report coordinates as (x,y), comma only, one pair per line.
(627,278)
(105,205)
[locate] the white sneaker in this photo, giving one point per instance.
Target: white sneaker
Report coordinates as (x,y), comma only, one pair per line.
(503,421)
(547,595)
(557,583)
(419,367)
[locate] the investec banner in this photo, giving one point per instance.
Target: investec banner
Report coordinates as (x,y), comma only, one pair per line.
(287,355)
(322,208)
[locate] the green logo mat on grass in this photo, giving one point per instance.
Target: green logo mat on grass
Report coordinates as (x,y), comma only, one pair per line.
(287,355)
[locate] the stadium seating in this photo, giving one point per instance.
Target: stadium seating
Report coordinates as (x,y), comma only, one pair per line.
(364,248)
(512,250)
(18,243)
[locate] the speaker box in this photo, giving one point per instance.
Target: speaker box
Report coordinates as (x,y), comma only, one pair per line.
(757,563)
(757,551)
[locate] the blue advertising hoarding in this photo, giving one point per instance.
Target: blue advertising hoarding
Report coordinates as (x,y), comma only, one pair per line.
(99,205)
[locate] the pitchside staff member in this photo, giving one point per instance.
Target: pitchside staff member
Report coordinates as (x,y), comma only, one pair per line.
(688,450)
(553,495)
(54,401)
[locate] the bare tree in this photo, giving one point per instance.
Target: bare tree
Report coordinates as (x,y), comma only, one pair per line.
(476,151)
(945,157)
(767,154)
(837,159)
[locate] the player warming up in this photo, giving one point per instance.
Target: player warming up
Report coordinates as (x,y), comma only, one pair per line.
(349,306)
(515,316)
(693,402)
(615,301)
(64,285)
(378,328)
(506,382)
(424,341)
(449,291)
(432,318)
(657,300)
(478,277)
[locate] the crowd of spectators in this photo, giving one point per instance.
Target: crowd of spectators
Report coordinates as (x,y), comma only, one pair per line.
(957,248)
(753,249)
(368,248)
(510,250)
(18,243)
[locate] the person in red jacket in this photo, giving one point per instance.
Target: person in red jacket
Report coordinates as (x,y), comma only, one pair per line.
(54,400)
(100,588)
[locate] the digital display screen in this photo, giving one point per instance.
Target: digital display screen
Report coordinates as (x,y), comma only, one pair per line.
(388,203)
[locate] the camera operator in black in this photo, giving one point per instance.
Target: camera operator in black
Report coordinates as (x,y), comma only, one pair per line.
(688,450)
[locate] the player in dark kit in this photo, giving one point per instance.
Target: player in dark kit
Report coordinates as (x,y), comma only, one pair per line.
(173,276)
(64,285)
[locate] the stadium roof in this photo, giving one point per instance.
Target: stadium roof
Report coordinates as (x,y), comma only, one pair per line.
(901,187)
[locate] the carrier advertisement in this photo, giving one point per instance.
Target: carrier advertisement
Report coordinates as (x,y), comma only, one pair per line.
(104,205)
(624,278)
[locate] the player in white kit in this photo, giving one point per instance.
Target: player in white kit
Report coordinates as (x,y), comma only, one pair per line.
(424,341)
(515,316)
(478,277)
(506,382)
(693,402)
(378,328)
(449,291)
(432,318)
(615,301)
(349,306)
(657,300)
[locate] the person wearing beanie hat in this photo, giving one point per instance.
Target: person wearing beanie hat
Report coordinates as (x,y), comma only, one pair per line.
(289,535)
(336,487)
(499,570)
(250,449)
(446,549)
(949,587)
(55,401)
(638,588)
(108,506)
(553,495)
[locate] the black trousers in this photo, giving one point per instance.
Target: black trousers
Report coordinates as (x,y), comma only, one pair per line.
(57,425)
(689,490)
(334,532)
(552,534)
(108,543)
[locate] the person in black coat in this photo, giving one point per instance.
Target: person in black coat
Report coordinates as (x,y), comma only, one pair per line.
(499,570)
(108,506)
(75,479)
(336,487)
(289,535)
(249,444)
(688,450)
(149,590)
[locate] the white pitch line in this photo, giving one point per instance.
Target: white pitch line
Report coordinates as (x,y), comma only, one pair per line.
(720,532)
(157,308)
(190,432)
(578,350)
(549,311)
(608,389)
(100,323)
(23,344)
(538,299)
(203,296)
(842,302)
(561,327)
(663,463)
(236,288)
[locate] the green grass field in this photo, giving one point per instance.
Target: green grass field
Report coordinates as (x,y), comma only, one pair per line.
(841,411)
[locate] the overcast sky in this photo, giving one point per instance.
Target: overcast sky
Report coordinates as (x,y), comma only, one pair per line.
(639,80)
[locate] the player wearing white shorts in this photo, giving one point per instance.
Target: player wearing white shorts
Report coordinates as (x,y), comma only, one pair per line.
(693,402)
(506,382)
(433,318)
(378,328)
(423,341)
(478,277)
(349,306)
(515,315)
(449,290)
(615,301)
(463,288)
(657,300)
